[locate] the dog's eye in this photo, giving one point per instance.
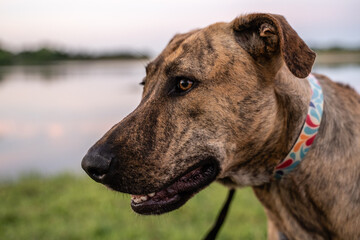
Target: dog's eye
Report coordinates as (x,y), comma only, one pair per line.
(182,85)
(185,84)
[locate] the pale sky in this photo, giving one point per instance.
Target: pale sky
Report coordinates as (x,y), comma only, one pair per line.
(104,25)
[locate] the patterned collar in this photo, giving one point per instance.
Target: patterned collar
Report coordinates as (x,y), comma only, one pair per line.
(308,132)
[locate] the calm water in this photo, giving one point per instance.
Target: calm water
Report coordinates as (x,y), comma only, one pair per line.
(50,115)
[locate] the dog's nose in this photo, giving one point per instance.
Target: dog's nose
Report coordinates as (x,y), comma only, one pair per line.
(95,165)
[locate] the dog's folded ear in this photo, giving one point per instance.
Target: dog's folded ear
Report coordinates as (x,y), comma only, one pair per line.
(269,39)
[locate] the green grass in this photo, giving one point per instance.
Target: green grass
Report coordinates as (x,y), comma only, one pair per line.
(74,207)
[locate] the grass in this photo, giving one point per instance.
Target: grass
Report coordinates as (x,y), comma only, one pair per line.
(75,207)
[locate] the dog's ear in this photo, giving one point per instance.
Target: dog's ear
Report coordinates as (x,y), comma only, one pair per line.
(269,39)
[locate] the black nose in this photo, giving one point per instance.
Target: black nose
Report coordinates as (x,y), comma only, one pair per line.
(95,165)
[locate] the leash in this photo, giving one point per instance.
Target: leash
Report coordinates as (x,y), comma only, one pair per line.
(221,217)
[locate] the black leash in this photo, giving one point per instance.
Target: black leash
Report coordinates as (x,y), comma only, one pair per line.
(221,217)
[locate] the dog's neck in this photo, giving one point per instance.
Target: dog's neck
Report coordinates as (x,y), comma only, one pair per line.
(308,133)
(293,96)
(304,201)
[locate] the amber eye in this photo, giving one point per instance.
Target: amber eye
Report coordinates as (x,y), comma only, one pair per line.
(185,84)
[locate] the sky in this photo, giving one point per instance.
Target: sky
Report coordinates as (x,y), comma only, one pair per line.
(147,25)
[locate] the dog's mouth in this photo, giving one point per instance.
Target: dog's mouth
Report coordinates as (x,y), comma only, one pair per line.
(178,193)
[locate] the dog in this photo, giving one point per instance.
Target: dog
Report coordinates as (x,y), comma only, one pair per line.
(227,103)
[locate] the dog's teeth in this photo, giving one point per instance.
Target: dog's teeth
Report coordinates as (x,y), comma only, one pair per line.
(135,196)
(151,194)
(139,198)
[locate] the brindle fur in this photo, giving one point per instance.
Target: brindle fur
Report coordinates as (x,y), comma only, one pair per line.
(246,111)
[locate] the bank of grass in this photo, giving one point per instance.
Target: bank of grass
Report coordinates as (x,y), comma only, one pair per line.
(337,58)
(75,207)
(47,55)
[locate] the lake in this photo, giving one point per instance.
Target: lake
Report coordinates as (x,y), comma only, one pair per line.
(51,114)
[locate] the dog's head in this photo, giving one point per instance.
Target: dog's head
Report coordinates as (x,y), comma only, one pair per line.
(208,112)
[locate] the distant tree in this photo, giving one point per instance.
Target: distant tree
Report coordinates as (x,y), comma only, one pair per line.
(43,55)
(6,57)
(47,55)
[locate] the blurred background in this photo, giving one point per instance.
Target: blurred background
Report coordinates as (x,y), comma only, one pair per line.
(70,70)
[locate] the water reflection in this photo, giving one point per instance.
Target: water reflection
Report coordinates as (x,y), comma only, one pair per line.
(51,115)
(348,74)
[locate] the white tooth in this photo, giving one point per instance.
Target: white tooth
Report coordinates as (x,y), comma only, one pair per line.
(137,200)
(143,198)
(151,194)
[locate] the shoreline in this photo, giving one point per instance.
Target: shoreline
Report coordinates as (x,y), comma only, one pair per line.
(337,58)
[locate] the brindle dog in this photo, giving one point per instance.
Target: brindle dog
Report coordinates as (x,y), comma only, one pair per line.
(227,103)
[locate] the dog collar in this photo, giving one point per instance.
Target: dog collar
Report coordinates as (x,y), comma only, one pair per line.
(308,132)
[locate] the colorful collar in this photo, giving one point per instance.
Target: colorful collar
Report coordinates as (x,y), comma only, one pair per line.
(308,132)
